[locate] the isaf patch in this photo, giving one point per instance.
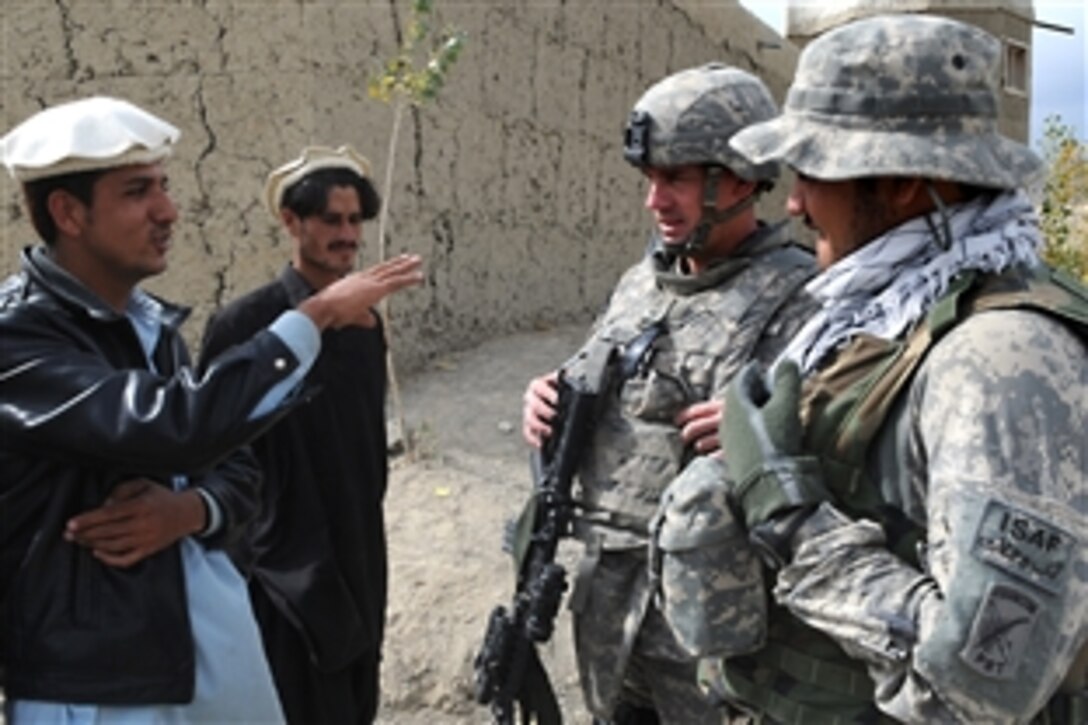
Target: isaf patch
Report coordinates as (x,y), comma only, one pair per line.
(1001,631)
(1024,545)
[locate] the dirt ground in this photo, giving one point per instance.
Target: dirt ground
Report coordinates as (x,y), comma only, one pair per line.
(445,515)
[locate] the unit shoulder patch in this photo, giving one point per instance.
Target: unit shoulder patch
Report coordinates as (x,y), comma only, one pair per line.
(1000,632)
(1024,545)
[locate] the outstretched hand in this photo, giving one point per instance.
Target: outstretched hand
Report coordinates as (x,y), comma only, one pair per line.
(349,301)
(139,519)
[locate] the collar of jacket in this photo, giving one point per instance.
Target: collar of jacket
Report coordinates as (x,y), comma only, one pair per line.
(40,268)
(762,240)
(296,286)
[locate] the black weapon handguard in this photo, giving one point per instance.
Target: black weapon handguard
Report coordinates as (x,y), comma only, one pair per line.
(507,667)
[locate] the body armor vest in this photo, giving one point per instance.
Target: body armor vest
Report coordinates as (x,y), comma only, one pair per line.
(680,339)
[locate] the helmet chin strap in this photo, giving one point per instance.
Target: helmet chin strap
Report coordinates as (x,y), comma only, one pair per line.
(943,235)
(695,242)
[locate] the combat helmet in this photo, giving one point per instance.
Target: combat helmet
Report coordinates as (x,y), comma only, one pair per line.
(896,95)
(688,118)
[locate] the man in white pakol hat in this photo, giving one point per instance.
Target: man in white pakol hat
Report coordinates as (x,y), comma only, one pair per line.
(122,475)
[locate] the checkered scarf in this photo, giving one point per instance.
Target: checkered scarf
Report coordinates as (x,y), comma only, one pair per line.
(882,288)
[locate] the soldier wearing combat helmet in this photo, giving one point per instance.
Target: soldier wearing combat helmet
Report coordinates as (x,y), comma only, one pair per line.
(919,499)
(717,288)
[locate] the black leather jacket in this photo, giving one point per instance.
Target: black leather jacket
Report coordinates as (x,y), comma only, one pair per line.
(79,412)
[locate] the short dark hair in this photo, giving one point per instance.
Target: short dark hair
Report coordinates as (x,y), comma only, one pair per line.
(80,185)
(310,195)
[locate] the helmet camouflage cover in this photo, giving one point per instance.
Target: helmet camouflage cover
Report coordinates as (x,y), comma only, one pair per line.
(688,118)
(896,95)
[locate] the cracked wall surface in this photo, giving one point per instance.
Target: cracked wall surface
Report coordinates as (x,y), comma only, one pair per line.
(511,185)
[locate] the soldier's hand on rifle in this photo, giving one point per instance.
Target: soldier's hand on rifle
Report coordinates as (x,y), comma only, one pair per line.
(699,424)
(540,399)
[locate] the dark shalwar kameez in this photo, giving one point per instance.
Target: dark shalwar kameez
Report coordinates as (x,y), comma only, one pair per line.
(316,558)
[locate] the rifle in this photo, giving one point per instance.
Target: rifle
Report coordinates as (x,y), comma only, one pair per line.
(508,667)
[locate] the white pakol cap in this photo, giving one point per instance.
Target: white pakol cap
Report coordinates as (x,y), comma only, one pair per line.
(313,158)
(85,135)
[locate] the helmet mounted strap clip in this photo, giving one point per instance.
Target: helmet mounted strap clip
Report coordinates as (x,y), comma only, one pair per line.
(636,139)
(944,233)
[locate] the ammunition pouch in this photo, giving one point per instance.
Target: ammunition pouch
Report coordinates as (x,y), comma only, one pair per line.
(707,577)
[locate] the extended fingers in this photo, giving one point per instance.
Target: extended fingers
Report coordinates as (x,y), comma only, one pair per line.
(98,535)
(402,270)
(106,517)
(117,544)
(391,276)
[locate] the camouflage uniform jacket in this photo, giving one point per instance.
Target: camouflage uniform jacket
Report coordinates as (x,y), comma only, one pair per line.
(745,307)
(985,454)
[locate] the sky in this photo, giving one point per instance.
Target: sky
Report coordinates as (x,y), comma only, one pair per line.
(1059,78)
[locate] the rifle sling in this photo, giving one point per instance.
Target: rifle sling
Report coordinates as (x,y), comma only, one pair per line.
(537,700)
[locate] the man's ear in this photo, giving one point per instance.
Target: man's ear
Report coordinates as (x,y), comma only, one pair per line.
(745,188)
(68,212)
(742,189)
(907,192)
(911,195)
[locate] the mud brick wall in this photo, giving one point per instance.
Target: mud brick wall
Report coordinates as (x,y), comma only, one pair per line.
(511,185)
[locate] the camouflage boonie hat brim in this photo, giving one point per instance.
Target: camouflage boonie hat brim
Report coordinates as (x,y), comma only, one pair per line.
(906,95)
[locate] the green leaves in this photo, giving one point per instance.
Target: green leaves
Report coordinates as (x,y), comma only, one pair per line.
(411,77)
(418,71)
(1064,211)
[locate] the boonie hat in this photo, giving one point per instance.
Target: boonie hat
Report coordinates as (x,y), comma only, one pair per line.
(85,135)
(316,158)
(896,95)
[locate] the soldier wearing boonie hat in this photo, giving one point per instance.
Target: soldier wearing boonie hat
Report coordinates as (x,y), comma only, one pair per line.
(907,112)
(919,497)
(123,477)
(716,288)
(324,465)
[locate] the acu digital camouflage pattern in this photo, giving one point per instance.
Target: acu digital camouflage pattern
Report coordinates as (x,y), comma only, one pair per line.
(747,306)
(710,581)
(986,454)
(689,117)
(895,95)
